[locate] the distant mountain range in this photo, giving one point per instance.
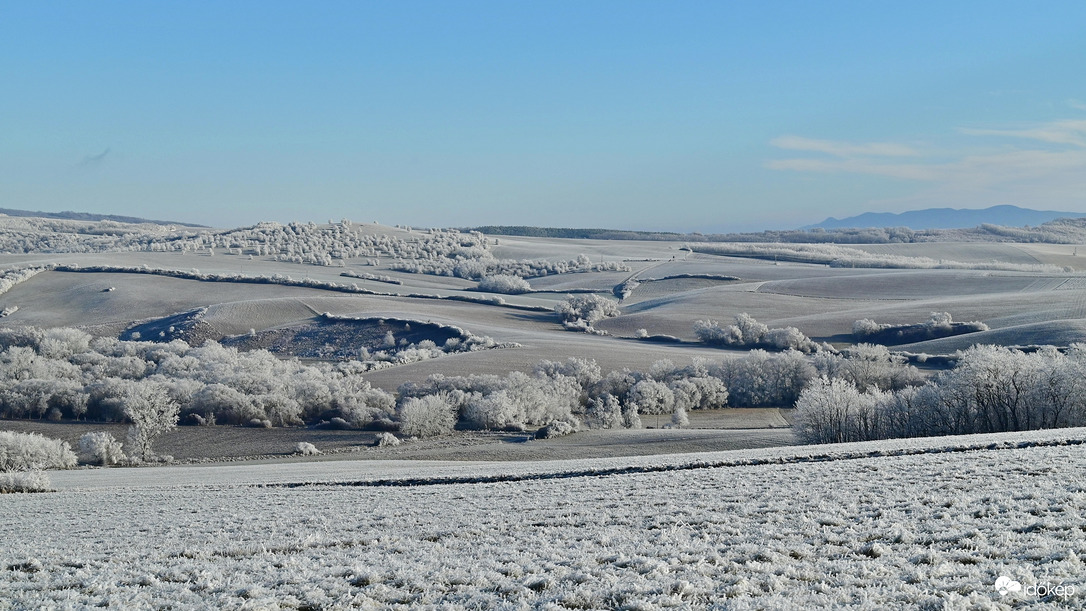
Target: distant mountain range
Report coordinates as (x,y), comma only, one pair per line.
(86,216)
(948,218)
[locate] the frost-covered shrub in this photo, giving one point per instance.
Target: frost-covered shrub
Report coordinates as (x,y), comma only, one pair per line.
(589,308)
(749,333)
(504,283)
(427,416)
(31,451)
(100,447)
(558,428)
(679,418)
(939,324)
(870,365)
(386,439)
(306,449)
(24,481)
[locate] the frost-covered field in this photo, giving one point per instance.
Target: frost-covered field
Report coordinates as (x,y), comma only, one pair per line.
(905,524)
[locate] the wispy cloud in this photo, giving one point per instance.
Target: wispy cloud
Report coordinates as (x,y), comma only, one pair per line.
(1071,131)
(92,161)
(843,149)
(1036,164)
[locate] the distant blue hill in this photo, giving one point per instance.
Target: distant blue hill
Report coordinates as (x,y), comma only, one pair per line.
(948,218)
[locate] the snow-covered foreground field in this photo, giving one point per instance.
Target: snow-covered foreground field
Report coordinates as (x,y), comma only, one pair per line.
(902,524)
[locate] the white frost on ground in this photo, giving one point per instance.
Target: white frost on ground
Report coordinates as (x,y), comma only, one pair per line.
(798,527)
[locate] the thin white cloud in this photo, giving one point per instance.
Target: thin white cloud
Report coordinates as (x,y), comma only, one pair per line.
(843,149)
(1039,165)
(1058,132)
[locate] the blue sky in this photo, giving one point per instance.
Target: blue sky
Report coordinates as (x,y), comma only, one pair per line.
(690,116)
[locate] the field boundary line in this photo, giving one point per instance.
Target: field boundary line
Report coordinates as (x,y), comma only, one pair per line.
(411,482)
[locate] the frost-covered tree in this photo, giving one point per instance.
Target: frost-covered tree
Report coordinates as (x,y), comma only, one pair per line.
(834,411)
(604,412)
(652,398)
(679,418)
(152,413)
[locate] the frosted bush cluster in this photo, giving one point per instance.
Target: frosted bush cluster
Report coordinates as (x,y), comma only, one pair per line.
(992,389)
(940,324)
(504,283)
(31,451)
(66,373)
(749,333)
(101,448)
(477,264)
(580,312)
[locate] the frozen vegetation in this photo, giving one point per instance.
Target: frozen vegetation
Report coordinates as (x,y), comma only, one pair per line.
(920,524)
(940,324)
(991,389)
(907,521)
(749,333)
(580,312)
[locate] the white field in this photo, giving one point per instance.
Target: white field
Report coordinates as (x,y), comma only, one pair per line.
(904,524)
(725,514)
(821,301)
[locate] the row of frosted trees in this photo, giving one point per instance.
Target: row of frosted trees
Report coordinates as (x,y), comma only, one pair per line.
(863,393)
(992,389)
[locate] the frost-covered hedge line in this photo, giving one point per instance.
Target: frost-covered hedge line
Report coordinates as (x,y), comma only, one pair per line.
(476,265)
(578,393)
(940,324)
(504,283)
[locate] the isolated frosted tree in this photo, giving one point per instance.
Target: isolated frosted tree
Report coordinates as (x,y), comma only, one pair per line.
(152,413)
